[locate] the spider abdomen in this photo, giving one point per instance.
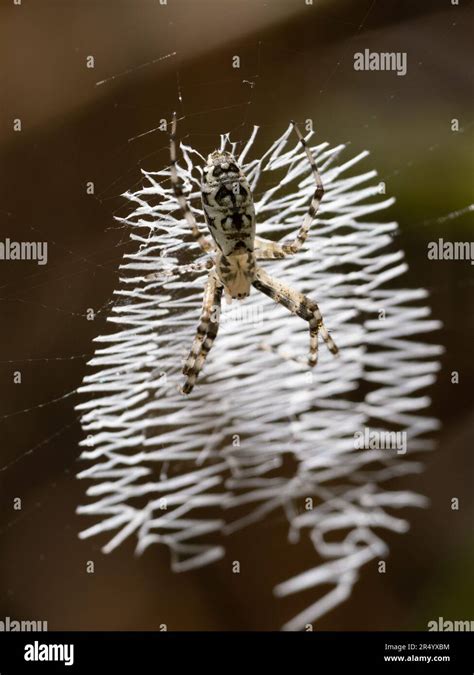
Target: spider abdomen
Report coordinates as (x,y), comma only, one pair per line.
(228,204)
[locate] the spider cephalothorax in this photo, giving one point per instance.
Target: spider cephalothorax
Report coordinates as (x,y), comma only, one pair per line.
(230,215)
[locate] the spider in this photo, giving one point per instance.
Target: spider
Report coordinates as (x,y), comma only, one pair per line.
(230,215)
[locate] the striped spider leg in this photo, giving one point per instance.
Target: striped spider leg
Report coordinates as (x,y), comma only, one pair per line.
(179,269)
(203,241)
(300,305)
(206,331)
(266,249)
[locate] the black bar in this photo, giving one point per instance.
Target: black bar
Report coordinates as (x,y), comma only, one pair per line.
(185,652)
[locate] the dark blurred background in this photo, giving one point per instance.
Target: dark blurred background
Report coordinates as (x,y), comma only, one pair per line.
(298,63)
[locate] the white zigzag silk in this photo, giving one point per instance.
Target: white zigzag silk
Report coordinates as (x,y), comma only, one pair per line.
(186,471)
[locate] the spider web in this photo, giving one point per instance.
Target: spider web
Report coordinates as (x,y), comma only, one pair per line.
(162,465)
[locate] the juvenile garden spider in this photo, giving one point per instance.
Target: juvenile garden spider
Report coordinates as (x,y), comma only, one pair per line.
(230,214)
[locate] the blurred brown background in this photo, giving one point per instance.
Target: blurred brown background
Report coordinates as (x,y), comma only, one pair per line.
(300,60)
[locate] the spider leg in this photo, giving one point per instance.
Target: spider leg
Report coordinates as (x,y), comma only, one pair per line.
(303,232)
(298,304)
(203,241)
(205,334)
(265,248)
(180,269)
